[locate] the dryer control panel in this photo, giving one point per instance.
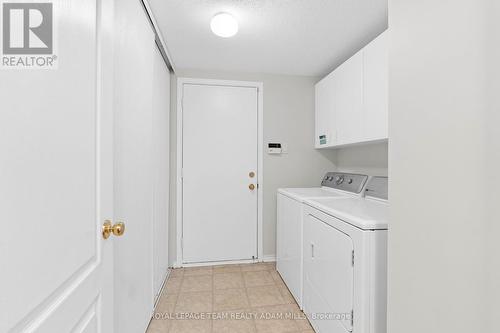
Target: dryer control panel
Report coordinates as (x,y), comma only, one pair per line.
(349,182)
(377,188)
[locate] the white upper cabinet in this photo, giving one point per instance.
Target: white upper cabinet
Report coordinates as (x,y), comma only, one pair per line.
(325,112)
(375,90)
(351,102)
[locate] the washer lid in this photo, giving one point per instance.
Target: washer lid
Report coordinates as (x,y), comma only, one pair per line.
(366,214)
(301,194)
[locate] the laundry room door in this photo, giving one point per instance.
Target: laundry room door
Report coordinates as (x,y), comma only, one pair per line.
(56,176)
(219,172)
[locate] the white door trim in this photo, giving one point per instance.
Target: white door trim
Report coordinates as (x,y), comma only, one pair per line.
(260,148)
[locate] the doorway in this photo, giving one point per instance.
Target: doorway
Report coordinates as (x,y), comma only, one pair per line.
(219,161)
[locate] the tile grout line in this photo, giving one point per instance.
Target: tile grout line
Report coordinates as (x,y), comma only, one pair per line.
(213,300)
(249,304)
(170,321)
(293,299)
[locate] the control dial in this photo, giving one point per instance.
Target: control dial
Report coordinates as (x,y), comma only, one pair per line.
(339,180)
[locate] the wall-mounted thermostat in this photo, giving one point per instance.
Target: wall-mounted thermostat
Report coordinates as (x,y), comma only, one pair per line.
(274,148)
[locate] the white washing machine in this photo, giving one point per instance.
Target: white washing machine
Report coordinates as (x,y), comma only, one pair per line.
(345,261)
(290,213)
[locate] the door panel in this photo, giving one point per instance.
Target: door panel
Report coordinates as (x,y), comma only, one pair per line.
(375,83)
(326,133)
(349,100)
(54,164)
(161,131)
(219,152)
(328,275)
(133,186)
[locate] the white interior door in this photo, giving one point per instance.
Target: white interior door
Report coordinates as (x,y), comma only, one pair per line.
(220,148)
(133,186)
(55,171)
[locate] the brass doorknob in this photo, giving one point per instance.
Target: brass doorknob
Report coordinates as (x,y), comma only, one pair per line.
(251,187)
(117,229)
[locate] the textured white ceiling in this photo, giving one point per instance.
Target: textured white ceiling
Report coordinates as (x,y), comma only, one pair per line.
(296,37)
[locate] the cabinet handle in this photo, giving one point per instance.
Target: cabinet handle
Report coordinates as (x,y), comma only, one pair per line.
(312,250)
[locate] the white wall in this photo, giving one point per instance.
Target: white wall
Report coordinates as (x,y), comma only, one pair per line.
(288,118)
(370,159)
(444,166)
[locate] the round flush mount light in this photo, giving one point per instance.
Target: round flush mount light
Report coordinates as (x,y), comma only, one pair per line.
(224,25)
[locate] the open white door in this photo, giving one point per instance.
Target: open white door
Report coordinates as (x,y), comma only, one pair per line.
(134,172)
(55,172)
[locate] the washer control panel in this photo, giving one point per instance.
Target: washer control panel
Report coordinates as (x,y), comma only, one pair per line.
(349,182)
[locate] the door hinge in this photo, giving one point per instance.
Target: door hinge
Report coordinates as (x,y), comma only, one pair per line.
(353,257)
(352,319)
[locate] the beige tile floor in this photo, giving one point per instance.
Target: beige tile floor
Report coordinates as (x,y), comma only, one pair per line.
(249,298)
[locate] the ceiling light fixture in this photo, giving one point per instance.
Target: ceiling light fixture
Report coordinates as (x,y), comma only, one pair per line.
(224,25)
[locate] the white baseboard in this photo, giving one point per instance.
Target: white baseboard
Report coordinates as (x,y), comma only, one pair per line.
(215,263)
(267,258)
(160,293)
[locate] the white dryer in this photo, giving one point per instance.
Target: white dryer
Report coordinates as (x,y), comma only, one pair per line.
(290,213)
(345,261)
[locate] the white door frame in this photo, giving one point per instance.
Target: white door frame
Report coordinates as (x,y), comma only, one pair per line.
(181,81)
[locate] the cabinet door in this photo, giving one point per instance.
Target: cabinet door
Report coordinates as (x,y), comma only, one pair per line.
(349,100)
(325,112)
(375,108)
(328,275)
